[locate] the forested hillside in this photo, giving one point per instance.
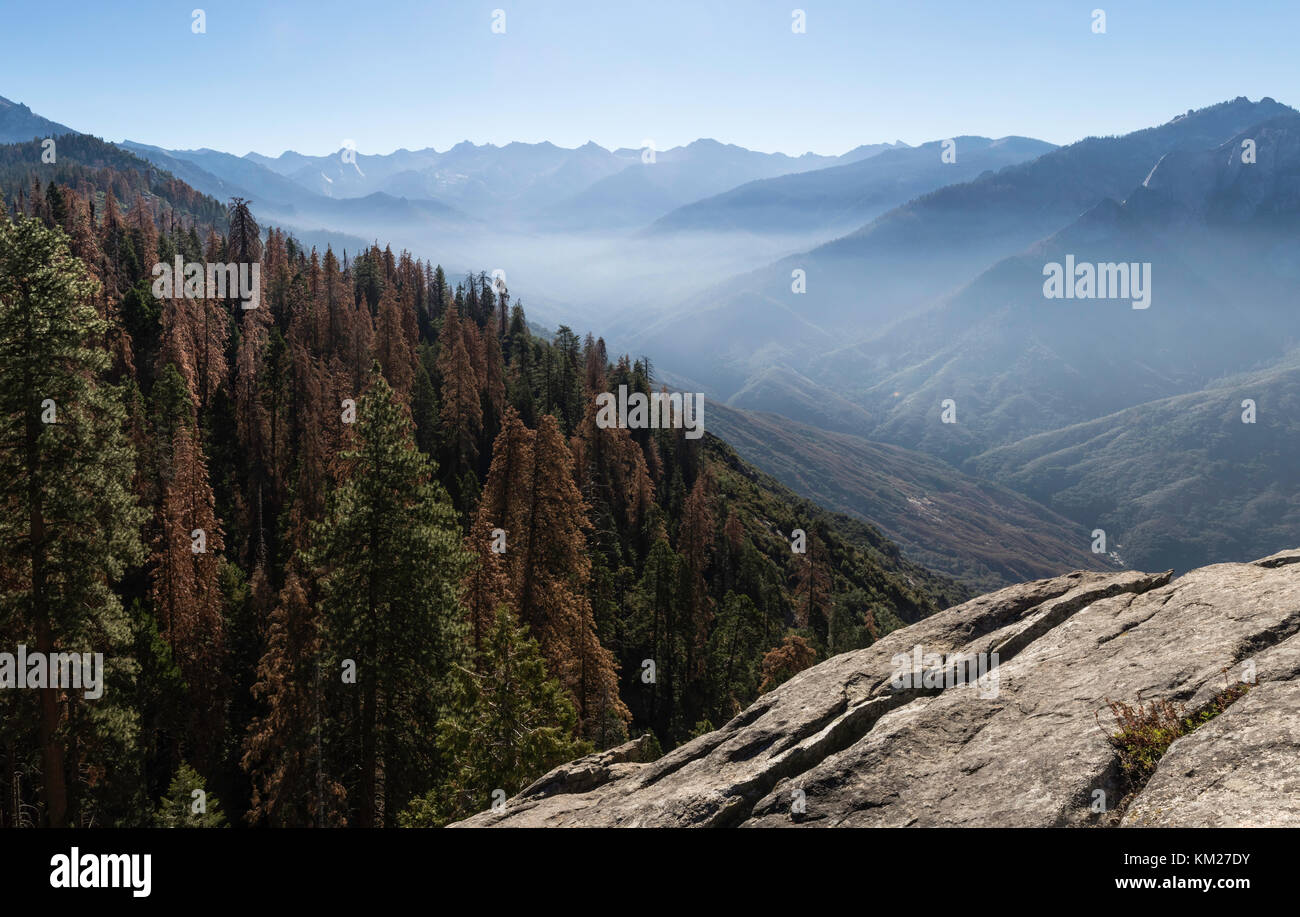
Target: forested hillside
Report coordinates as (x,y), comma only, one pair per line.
(360,555)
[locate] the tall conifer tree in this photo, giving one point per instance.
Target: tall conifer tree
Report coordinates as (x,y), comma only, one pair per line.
(391,564)
(70,526)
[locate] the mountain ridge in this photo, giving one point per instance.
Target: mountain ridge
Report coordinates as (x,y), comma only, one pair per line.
(848,193)
(19,123)
(907,260)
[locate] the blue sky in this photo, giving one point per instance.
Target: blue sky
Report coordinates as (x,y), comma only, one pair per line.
(285,74)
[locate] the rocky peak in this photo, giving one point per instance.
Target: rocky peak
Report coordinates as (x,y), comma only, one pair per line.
(1222,186)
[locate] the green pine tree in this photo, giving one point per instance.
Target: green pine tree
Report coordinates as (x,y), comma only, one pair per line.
(510,723)
(657,633)
(735,648)
(188,804)
(424,411)
(70,525)
(391,563)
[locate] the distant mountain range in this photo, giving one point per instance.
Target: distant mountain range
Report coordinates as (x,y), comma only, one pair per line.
(847,196)
(705,186)
(527,185)
(859,295)
(909,259)
(574,223)
(568,223)
(224,176)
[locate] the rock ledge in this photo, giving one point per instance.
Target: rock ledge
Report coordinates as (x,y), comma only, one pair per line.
(842,744)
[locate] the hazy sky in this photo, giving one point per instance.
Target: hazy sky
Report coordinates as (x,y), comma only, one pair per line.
(272,75)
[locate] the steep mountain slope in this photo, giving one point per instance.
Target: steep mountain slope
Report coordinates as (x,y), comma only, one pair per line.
(1220,241)
(191,175)
(792,394)
(1177,482)
(19,123)
(861,556)
(189,191)
(851,742)
(224,176)
(88,162)
(846,196)
(977,532)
